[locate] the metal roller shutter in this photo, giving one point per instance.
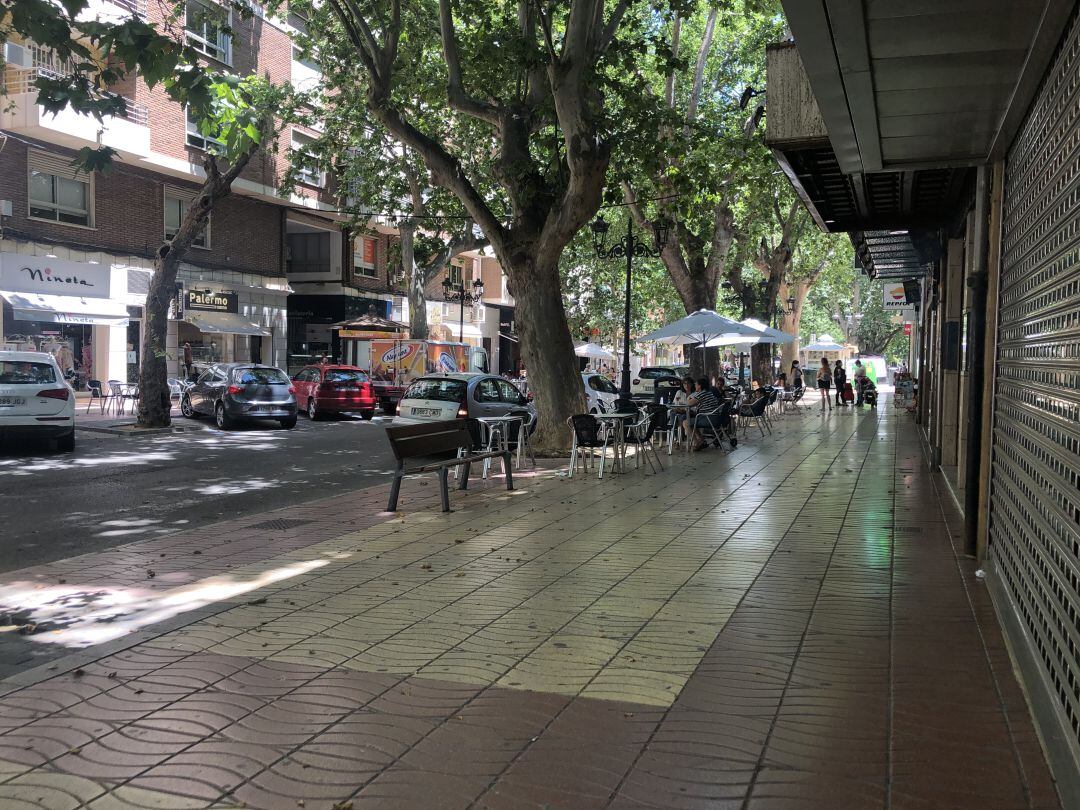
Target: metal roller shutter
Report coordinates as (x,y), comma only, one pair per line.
(1035,477)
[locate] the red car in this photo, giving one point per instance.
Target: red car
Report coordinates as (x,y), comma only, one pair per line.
(331,389)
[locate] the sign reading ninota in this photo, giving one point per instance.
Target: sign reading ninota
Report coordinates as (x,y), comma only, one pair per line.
(43,274)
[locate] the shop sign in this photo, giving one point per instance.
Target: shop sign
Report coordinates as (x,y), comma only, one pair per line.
(176,303)
(894,296)
(211,301)
(42,274)
(907,329)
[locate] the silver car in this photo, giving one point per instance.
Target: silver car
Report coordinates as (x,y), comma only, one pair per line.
(231,392)
(460,395)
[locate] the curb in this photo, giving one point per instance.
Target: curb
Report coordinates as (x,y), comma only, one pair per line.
(129,429)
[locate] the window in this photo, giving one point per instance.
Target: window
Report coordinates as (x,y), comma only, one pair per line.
(196,138)
(345,375)
(486,391)
(177,202)
(453,274)
(307,168)
(510,392)
(441,390)
(207,27)
(57,192)
(364,256)
(24,373)
(260,376)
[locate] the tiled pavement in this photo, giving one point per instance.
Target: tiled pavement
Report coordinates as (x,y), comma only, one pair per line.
(786,626)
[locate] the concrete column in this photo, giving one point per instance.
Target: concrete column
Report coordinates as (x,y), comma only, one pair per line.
(952,300)
(962,391)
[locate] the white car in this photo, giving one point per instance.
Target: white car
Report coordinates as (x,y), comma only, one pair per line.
(642,384)
(35,400)
(458,395)
(600,392)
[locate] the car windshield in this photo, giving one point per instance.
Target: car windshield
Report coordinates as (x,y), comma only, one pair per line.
(262,376)
(16,372)
(653,373)
(603,385)
(345,375)
(443,390)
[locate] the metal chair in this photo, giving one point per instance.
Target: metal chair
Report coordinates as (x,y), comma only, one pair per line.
(641,433)
(717,419)
(755,411)
(94,387)
(589,435)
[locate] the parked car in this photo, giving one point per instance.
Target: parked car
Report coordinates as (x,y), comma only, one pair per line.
(231,392)
(457,396)
(35,400)
(326,390)
(641,384)
(600,392)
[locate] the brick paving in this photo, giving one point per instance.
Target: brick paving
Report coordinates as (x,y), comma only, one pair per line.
(785,626)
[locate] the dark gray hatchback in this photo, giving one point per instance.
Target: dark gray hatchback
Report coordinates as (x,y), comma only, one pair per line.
(231,392)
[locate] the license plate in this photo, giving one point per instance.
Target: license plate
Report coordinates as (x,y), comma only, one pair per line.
(426,411)
(11,402)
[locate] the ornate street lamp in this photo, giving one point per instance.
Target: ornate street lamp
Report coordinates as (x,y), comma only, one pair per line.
(458,293)
(628,247)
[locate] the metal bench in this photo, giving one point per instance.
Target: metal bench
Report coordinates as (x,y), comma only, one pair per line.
(430,439)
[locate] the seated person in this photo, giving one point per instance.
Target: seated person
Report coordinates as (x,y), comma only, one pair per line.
(703,405)
(678,407)
(781,381)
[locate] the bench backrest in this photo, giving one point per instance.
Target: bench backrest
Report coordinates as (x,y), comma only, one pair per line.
(410,441)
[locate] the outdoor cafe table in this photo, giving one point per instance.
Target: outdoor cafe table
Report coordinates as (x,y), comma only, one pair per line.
(618,425)
(500,426)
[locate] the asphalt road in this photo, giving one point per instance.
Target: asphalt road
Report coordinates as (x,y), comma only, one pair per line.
(114,489)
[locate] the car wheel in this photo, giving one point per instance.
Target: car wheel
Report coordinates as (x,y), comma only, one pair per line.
(185,407)
(312,411)
(222,419)
(367,416)
(66,444)
(289,422)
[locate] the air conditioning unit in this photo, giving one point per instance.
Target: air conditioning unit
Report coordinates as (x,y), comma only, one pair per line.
(17,55)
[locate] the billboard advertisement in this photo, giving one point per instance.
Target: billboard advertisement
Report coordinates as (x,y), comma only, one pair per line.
(446,357)
(396,361)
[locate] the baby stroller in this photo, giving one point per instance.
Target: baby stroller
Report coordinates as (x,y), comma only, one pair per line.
(869,392)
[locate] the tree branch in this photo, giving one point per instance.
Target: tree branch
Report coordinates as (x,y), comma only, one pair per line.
(699,69)
(612,27)
(459,99)
(669,82)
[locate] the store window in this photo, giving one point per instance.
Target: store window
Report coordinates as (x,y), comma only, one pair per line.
(206,26)
(71,344)
(454,274)
(364,256)
(307,168)
(57,192)
(177,202)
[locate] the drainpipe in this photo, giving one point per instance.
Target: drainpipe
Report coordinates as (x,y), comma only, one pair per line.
(976,364)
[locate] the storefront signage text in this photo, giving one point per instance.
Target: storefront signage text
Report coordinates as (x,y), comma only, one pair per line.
(893,295)
(211,301)
(43,274)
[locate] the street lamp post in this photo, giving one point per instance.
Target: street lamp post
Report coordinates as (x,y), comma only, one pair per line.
(628,247)
(459,293)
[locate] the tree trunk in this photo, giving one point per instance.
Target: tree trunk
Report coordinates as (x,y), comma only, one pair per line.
(155,400)
(417,281)
(791,322)
(547,349)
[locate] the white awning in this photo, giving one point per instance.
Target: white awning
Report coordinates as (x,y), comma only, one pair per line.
(466,330)
(226,323)
(66,309)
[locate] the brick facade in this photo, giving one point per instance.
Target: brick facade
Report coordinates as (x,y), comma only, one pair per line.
(129,218)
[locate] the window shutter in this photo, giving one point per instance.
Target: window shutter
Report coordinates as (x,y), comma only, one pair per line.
(369,251)
(185,195)
(55,164)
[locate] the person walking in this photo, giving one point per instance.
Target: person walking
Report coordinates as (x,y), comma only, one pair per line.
(860,381)
(824,378)
(839,376)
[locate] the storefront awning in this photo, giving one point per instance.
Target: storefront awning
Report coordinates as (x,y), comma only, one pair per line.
(66,309)
(226,323)
(466,330)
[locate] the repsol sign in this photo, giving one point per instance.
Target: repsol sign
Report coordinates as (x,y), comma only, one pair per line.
(211,301)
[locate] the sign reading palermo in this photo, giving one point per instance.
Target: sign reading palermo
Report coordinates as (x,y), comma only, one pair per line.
(43,274)
(211,301)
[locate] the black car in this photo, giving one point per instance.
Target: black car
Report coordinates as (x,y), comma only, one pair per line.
(231,392)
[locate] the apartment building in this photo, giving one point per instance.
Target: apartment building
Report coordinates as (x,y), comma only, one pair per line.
(487,323)
(76,250)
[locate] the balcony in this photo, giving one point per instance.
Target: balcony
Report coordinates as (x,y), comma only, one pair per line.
(128,132)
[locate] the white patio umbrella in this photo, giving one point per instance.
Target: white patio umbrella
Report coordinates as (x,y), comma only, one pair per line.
(593,351)
(765,334)
(825,344)
(700,327)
